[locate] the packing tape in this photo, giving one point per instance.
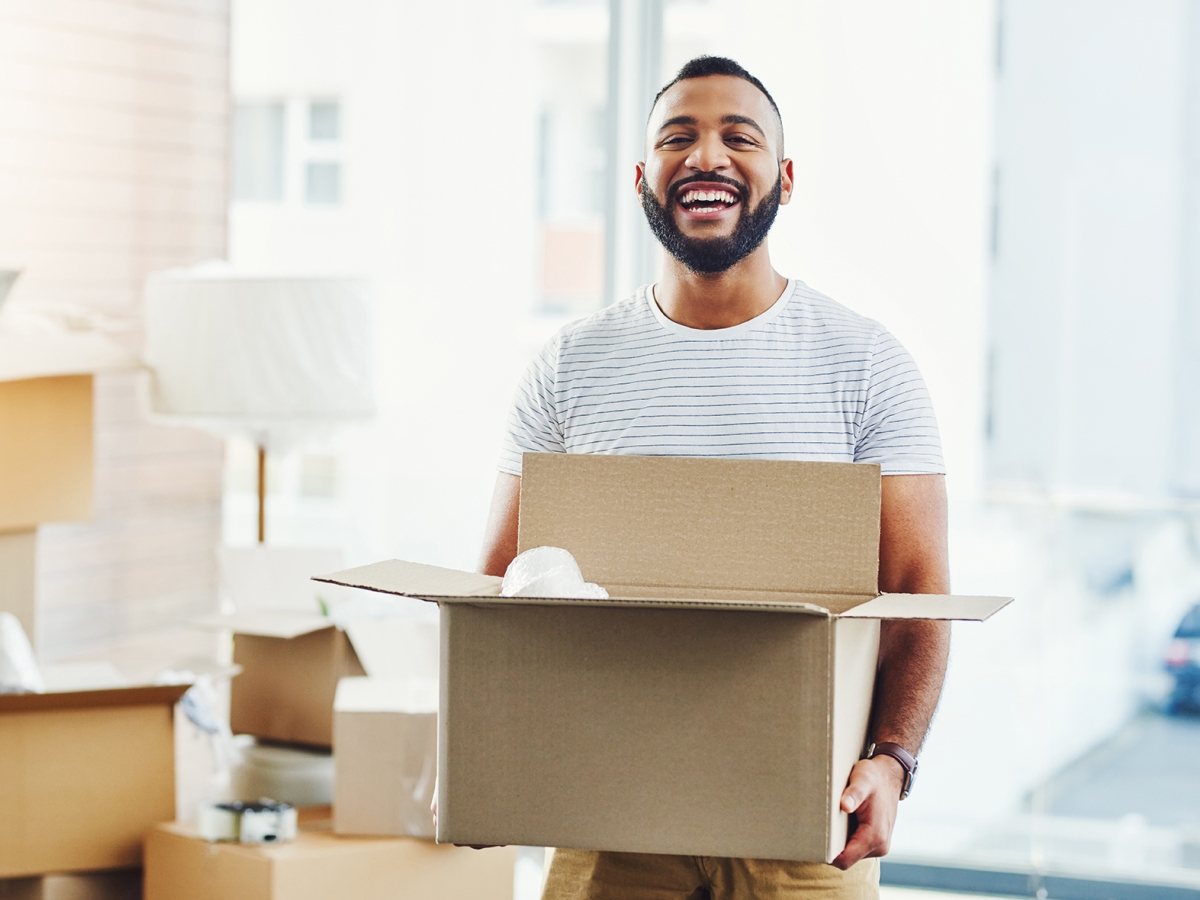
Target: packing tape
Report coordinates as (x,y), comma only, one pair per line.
(261,822)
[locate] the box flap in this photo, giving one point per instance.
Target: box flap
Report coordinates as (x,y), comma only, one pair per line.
(275,578)
(265,623)
(40,353)
(394,576)
(399,695)
(928,606)
(695,522)
(130,696)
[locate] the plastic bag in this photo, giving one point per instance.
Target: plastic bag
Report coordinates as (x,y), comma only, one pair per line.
(19,672)
(548,572)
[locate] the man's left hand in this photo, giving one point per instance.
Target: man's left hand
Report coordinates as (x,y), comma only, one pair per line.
(871,796)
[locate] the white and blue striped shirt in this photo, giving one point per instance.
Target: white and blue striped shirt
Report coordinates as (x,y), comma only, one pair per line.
(808,380)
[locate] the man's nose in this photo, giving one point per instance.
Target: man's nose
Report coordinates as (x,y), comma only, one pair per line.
(708,154)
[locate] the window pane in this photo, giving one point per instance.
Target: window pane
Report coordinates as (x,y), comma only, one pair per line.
(258,152)
(323,183)
(324,121)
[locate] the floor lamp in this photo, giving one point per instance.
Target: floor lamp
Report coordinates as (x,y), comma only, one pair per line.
(275,359)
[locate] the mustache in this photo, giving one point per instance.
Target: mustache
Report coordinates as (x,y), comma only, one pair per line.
(706,178)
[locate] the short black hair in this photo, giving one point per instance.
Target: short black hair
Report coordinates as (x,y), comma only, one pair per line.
(704,66)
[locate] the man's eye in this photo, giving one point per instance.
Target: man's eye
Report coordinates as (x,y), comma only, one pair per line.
(739,139)
(676,139)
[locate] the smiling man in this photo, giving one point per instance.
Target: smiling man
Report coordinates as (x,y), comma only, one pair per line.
(726,357)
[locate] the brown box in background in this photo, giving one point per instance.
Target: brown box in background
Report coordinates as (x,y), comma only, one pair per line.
(291,666)
(319,865)
(45,451)
(385,749)
(83,776)
(714,705)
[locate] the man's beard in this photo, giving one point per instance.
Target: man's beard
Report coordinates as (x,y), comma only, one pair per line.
(708,256)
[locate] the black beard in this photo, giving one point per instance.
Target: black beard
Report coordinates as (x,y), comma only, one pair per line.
(709,256)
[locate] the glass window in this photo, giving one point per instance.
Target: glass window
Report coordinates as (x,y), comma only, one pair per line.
(323,184)
(258,134)
(324,120)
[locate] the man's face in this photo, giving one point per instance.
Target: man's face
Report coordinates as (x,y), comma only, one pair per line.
(713,179)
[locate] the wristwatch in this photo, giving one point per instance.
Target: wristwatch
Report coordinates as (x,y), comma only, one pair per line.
(907,761)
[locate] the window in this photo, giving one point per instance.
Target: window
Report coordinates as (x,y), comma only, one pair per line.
(322,184)
(258,130)
(288,152)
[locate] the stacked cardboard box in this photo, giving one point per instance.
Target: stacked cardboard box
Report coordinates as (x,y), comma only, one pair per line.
(46,469)
(319,865)
(87,773)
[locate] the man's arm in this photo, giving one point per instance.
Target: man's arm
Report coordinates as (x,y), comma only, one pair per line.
(500,536)
(913,559)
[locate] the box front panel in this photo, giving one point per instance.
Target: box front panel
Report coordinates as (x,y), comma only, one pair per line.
(45,451)
(386,765)
(660,731)
(184,867)
(82,786)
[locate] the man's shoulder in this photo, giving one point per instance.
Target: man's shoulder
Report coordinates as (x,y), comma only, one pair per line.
(811,310)
(614,322)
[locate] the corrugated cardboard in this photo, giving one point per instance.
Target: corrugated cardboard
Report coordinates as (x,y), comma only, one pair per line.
(385,747)
(46,423)
(86,773)
(287,685)
(714,705)
(123,884)
(319,865)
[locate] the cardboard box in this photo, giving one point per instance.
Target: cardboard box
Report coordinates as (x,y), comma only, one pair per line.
(291,657)
(46,469)
(714,705)
(123,884)
(46,423)
(385,748)
(85,774)
(319,865)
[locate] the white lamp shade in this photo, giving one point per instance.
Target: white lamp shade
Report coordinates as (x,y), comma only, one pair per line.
(273,358)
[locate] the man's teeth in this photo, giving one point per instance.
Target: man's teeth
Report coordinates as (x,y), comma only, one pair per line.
(708,197)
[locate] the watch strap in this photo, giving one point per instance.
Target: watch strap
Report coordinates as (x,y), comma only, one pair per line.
(907,761)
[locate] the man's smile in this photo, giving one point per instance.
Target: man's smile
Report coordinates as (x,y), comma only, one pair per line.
(703,201)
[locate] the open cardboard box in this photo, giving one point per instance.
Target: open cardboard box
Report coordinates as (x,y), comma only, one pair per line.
(292,657)
(83,775)
(714,705)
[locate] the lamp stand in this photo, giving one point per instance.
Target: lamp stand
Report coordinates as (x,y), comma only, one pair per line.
(262,495)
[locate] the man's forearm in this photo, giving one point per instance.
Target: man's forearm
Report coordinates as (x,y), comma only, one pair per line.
(912,667)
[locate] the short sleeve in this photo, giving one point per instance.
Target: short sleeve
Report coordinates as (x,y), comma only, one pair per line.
(533,425)
(898,429)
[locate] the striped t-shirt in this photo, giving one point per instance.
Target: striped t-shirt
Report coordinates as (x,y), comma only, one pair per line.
(806,380)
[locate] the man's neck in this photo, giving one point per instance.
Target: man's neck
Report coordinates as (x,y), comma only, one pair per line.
(722,300)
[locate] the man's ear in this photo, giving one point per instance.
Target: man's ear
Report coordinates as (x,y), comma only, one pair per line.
(786,182)
(640,173)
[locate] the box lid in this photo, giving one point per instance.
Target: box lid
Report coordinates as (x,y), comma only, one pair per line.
(703,523)
(131,696)
(928,606)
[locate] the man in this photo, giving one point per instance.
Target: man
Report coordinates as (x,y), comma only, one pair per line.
(726,357)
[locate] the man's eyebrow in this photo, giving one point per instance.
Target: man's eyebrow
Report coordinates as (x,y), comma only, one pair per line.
(743,120)
(677,120)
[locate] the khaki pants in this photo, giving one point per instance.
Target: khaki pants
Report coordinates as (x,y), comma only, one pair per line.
(588,875)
